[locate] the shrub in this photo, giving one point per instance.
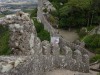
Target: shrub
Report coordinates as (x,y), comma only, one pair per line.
(93,42)
(4,41)
(97,50)
(39,26)
(95,58)
(88,40)
(41,33)
(44,35)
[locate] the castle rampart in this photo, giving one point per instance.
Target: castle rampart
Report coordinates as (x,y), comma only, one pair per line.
(30,56)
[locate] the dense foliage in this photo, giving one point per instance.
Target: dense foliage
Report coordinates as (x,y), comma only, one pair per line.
(95,58)
(4,41)
(44,35)
(77,13)
(93,43)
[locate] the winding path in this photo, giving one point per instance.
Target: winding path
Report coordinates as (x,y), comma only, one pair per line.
(68,35)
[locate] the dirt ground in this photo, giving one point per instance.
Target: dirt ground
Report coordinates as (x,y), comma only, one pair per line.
(67,72)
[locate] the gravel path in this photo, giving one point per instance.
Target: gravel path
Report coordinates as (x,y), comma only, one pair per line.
(68,35)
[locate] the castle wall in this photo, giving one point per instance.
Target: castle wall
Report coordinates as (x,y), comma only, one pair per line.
(33,57)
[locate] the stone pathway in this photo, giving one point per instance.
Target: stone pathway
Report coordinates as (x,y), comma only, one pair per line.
(68,35)
(68,72)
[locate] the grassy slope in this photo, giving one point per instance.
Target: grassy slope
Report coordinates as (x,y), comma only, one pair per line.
(4,41)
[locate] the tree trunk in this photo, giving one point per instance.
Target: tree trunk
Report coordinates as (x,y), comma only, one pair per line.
(88,20)
(91,19)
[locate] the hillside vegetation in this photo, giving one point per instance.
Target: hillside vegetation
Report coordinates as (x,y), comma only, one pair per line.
(83,16)
(4,41)
(76,13)
(41,33)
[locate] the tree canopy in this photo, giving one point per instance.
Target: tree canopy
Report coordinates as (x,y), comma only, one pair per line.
(76,13)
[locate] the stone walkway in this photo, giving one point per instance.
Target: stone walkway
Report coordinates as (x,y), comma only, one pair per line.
(67,72)
(68,35)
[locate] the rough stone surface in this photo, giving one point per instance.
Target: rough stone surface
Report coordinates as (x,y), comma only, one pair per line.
(33,57)
(46,48)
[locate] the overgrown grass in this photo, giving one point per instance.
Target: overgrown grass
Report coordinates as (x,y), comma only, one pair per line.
(4,41)
(41,33)
(44,35)
(95,58)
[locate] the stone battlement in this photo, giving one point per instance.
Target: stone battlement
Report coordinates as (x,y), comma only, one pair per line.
(30,56)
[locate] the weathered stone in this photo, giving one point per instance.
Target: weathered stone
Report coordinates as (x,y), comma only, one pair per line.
(68,51)
(37,46)
(86,63)
(22,34)
(6,68)
(41,57)
(46,48)
(18,61)
(56,49)
(77,55)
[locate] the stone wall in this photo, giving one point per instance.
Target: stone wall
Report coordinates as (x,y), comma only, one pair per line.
(22,33)
(75,50)
(30,56)
(38,65)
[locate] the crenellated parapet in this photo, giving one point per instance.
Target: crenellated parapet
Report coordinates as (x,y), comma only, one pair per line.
(30,56)
(71,60)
